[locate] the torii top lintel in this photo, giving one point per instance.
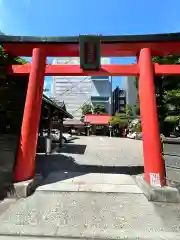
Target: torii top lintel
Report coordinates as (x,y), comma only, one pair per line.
(111,46)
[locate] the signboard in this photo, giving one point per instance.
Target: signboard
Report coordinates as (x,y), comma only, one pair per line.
(90,58)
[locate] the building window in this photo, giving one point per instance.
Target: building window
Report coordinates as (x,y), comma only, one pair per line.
(122,102)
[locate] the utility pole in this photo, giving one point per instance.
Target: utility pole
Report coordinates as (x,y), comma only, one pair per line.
(110,131)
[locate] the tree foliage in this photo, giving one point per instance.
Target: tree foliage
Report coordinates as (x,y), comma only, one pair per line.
(86,109)
(167,90)
(89,109)
(6,59)
(137,109)
(129,111)
(99,109)
(13,93)
(123,119)
(135,126)
(119,120)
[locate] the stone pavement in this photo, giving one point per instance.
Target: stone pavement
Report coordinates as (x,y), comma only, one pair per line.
(72,214)
(74,200)
(89,182)
(105,151)
(95,155)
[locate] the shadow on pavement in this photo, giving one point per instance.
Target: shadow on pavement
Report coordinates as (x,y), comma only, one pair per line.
(73,149)
(60,176)
(46,164)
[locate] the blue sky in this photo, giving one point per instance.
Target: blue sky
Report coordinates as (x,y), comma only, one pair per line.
(74,17)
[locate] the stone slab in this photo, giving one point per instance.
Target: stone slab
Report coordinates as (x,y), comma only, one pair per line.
(88,178)
(89,187)
(109,188)
(93,182)
(158,194)
(120,179)
(59,187)
(28,230)
(71,213)
(69,234)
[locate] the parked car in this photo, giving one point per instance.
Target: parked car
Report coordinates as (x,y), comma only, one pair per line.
(134,135)
(67,137)
(55,135)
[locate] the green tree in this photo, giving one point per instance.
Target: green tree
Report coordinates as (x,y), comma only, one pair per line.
(167,91)
(135,126)
(99,109)
(86,109)
(129,111)
(172,98)
(119,120)
(137,109)
(6,59)
(12,101)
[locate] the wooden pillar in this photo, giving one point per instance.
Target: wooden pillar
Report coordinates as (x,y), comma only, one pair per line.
(61,132)
(153,161)
(25,162)
(49,122)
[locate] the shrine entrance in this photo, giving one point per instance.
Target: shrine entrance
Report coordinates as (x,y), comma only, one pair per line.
(90,49)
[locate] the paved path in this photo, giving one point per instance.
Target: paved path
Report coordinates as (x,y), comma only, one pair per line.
(84,214)
(94,213)
(95,154)
(105,151)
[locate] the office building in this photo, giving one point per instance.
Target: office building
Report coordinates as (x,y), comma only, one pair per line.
(131,90)
(77,91)
(118,101)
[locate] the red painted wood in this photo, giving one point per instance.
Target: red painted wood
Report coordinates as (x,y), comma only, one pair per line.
(74,70)
(167,69)
(25,163)
(106,70)
(107,50)
(153,161)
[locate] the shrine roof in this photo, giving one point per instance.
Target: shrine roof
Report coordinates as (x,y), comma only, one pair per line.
(59,106)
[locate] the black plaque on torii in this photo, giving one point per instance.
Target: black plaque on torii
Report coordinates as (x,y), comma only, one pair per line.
(90,57)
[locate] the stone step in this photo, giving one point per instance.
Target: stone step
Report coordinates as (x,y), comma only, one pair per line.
(89,182)
(104,188)
(110,234)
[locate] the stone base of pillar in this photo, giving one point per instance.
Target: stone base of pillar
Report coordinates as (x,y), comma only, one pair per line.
(25,188)
(158,194)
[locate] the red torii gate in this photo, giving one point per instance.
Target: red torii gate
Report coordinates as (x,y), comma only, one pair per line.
(141,46)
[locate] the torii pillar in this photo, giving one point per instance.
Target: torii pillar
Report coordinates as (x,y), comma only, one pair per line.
(25,165)
(153,160)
